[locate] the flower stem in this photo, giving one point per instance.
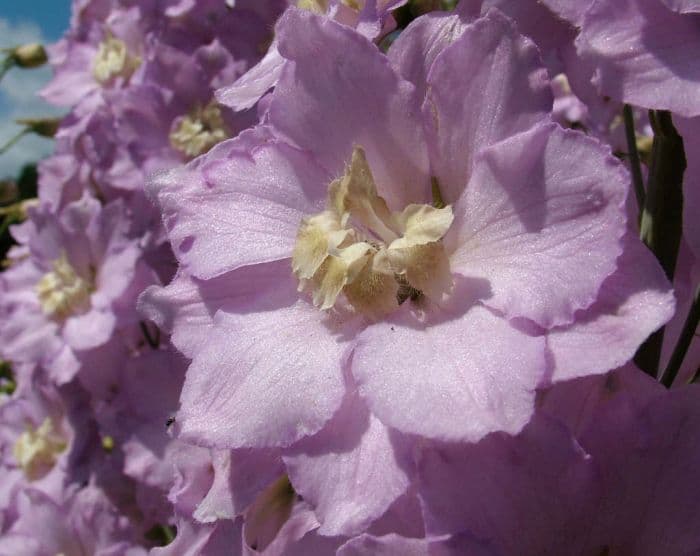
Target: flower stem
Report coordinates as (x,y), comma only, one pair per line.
(661,222)
(686,337)
(635,164)
(153,341)
(7,146)
(6,65)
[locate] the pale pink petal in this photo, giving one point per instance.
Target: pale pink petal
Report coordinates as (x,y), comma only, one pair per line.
(684,6)
(351,471)
(241,210)
(542,220)
(417,47)
(239,476)
(340,92)
(251,86)
(89,330)
(455,377)
(488,85)
(632,303)
(270,374)
(186,307)
(395,545)
(645,54)
(531,494)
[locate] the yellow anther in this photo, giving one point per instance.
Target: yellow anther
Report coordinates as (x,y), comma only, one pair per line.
(113,60)
(62,292)
(198,131)
(36,450)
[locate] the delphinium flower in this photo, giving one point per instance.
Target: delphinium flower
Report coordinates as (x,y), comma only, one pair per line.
(641,53)
(139,78)
(334,308)
(85,523)
(392,291)
(34,440)
(69,285)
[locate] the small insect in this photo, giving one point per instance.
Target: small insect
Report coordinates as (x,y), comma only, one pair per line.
(169,422)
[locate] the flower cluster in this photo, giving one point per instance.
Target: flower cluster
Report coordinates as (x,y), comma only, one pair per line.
(360,277)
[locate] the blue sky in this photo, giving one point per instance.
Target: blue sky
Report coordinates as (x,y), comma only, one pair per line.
(50,15)
(23,21)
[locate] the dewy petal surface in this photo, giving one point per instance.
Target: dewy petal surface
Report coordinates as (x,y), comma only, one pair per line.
(542,220)
(350,472)
(487,85)
(645,54)
(241,210)
(342,91)
(458,378)
(270,374)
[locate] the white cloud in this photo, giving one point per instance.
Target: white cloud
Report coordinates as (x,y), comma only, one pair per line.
(18,99)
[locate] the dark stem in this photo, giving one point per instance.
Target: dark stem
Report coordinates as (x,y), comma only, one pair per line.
(661,222)
(438,201)
(635,164)
(152,341)
(686,337)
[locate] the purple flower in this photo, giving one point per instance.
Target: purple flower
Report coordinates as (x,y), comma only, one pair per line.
(371,18)
(86,523)
(432,312)
(74,281)
(639,51)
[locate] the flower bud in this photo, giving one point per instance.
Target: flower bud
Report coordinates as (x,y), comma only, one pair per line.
(30,55)
(45,127)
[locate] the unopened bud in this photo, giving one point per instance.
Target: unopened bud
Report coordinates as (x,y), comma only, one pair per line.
(8,191)
(30,55)
(46,127)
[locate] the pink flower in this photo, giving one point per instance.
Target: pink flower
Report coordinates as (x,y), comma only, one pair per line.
(536,224)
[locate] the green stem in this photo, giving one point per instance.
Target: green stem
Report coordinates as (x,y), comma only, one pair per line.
(686,337)
(6,65)
(635,164)
(661,222)
(7,146)
(5,224)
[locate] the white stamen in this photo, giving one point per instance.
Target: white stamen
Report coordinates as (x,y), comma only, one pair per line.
(62,292)
(36,450)
(199,131)
(113,60)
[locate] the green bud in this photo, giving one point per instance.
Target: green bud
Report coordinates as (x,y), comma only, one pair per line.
(30,55)
(45,127)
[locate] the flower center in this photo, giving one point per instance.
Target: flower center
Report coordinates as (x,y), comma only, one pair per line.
(62,292)
(375,258)
(321,6)
(316,6)
(36,450)
(198,131)
(113,60)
